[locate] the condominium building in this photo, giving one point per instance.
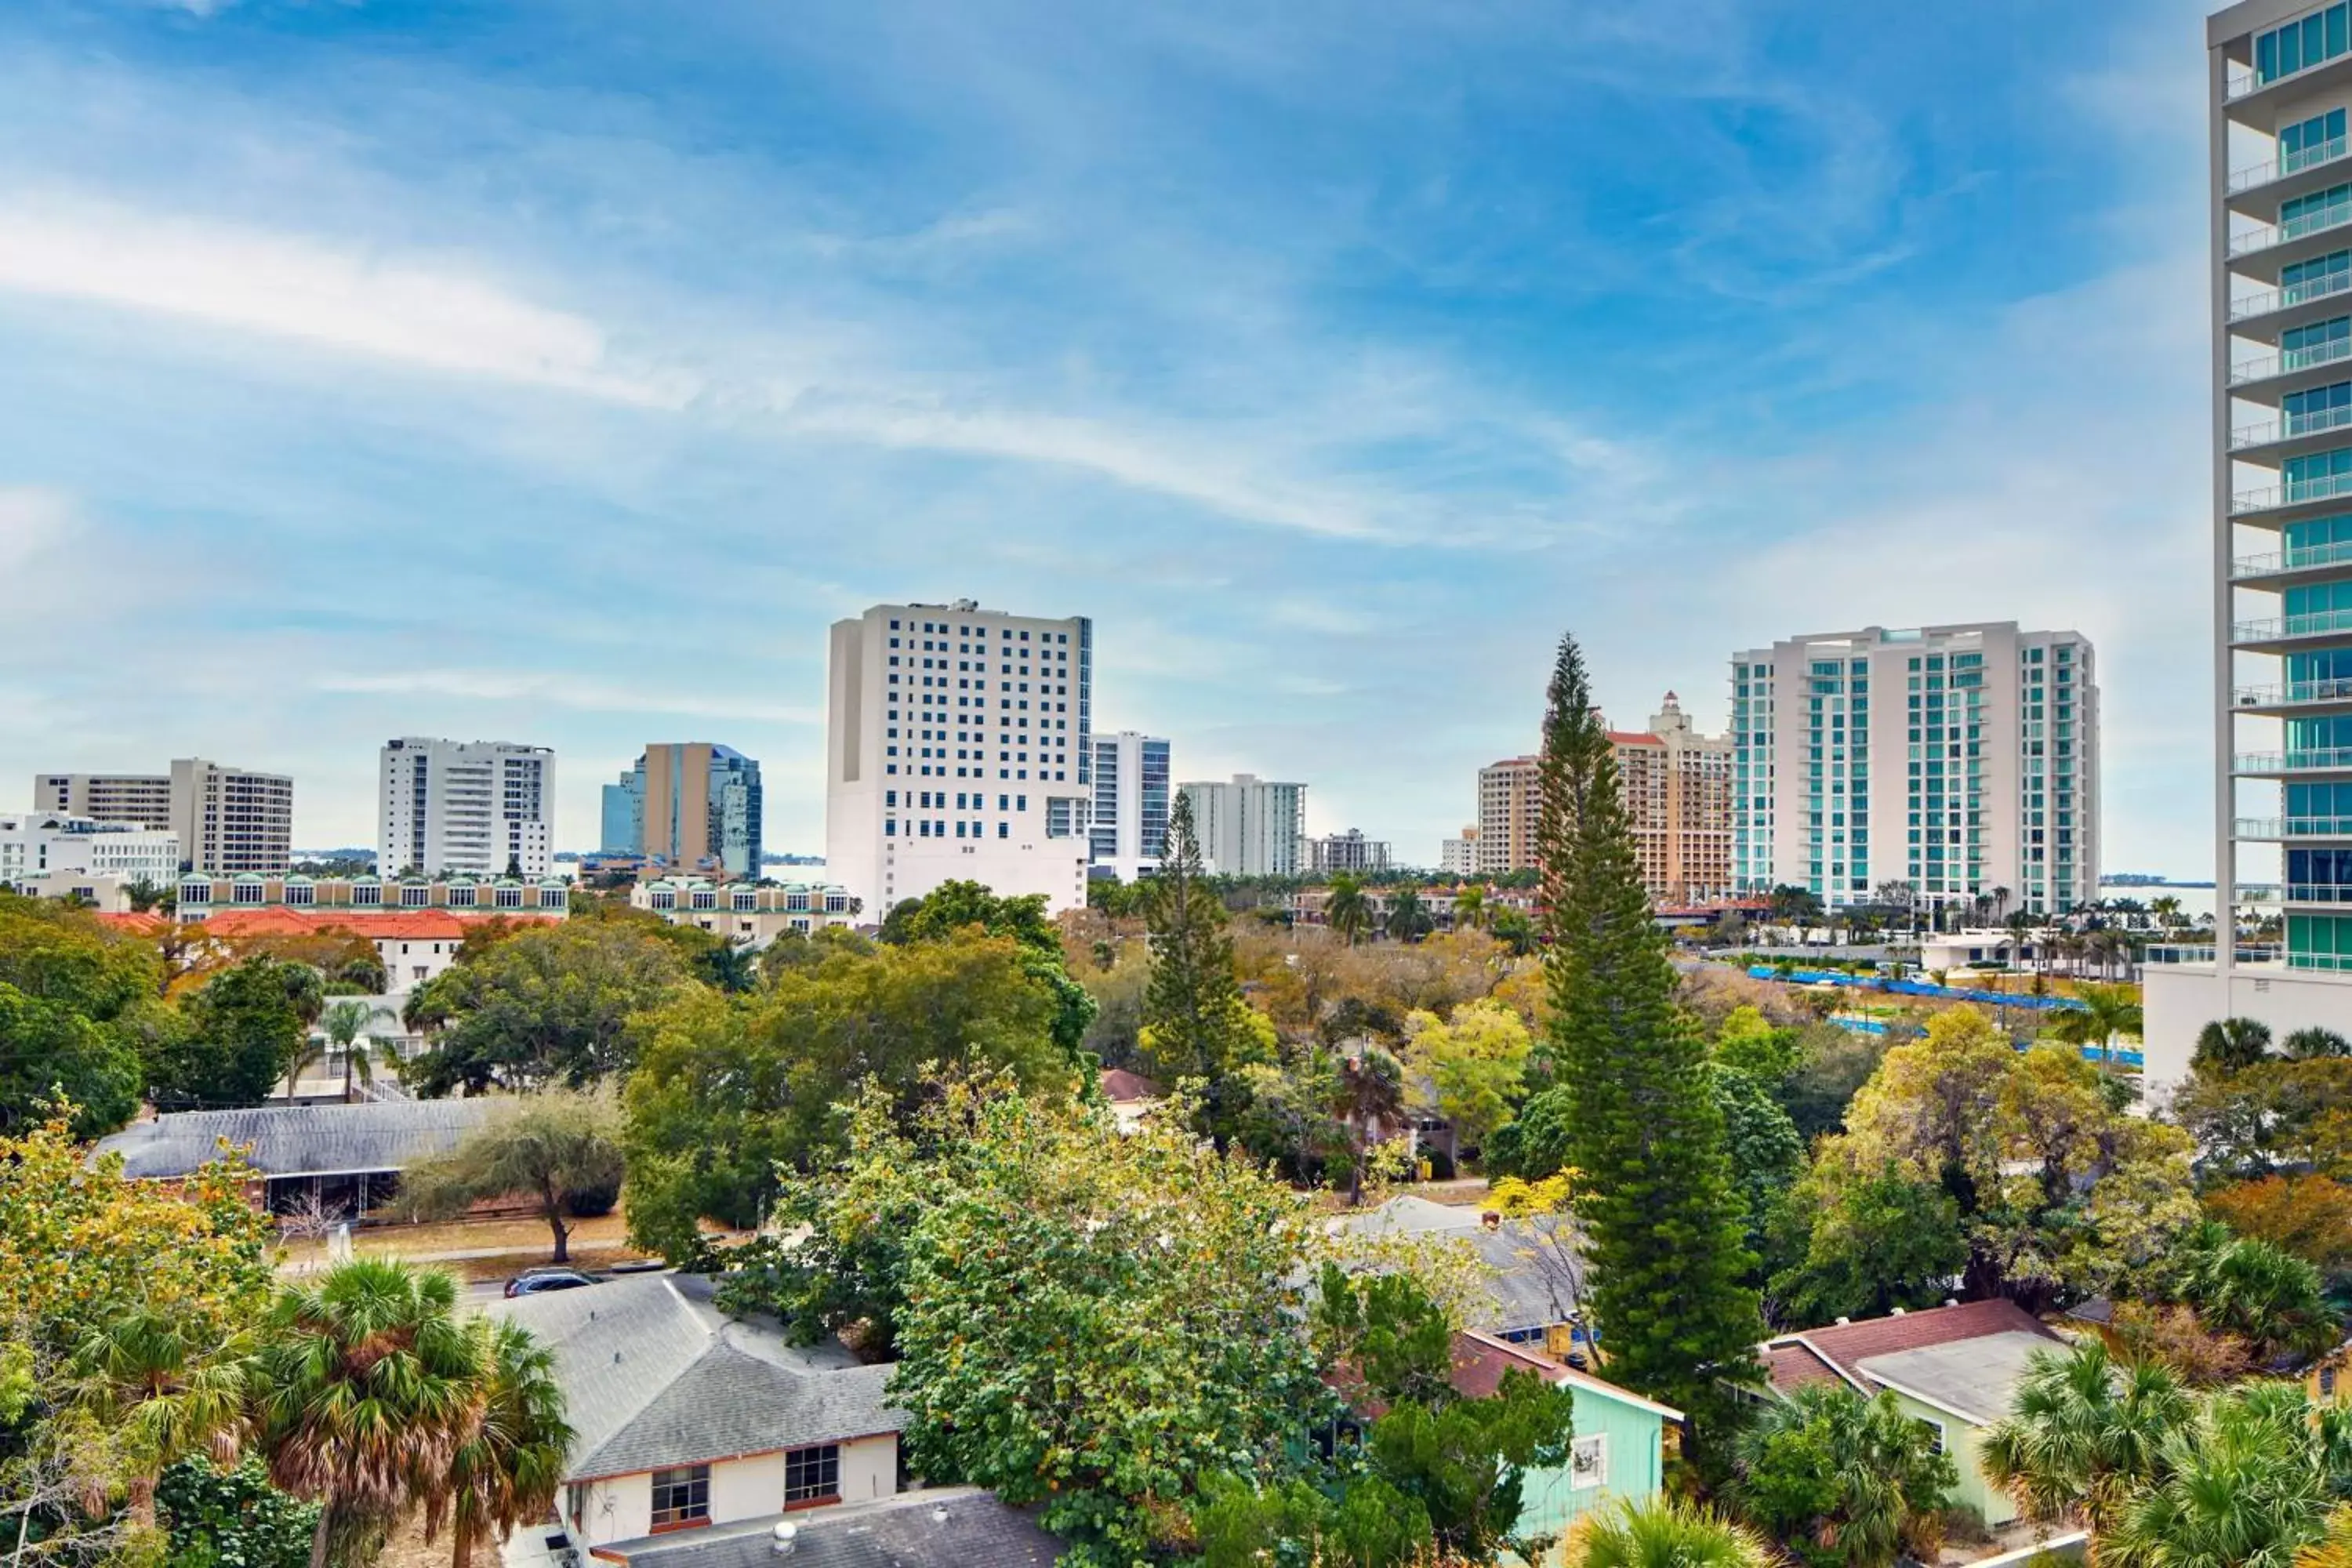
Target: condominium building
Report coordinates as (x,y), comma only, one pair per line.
(1506,816)
(142,798)
(959,747)
(695,805)
(481,807)
(1960,761)
(39,845)
(749,916)
(2278,88)
(229,820)
(1676,785)
(1128,830)
(1459,856)
(1348,851)
(1249,826)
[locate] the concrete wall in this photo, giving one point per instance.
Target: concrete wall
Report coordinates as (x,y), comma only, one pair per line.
(2182,999)
(621,1509)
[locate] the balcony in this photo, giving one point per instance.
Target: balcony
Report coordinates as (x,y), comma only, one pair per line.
(2278,765)
(2293,494)
(2325,219)
(2289,428)
(2270,301)
(2292,827)
(2255,176)
(2316,560)
(2278,631)
(2193,952)
(2295,696)
(2291,362)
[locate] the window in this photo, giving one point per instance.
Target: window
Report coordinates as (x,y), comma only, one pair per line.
(813,1474)
(681,1496)
(1588,1462)
(1935,1434)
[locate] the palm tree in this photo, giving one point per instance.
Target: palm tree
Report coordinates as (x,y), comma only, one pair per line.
(2314,1041)
(2083,1434)
(1471,910)
(1346,909)
(2106,1011)
(1368,1096)
(369,1387)
(1877,1472)
(1409,918)
(2229,1044)
(2261,1293)
(342,1025)
(2242,1485)
(1660,1533)
(509,1466)
(167,1394)
(1516,931)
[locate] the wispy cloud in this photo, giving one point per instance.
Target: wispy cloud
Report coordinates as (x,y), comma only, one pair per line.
(553,690)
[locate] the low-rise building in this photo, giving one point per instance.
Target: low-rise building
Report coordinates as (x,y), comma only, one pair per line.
(1348,851)
(685,1419)
(748,914)
(53,853)
(201,897)
(342,1158)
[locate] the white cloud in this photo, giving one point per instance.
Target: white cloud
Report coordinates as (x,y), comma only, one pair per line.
(293,288)
(559,690)
(31,523)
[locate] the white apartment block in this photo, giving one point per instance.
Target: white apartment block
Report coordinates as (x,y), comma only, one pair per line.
(958,748)
(1960,759)
(1128,832)
(1250,826)
(1350,851)
(1459,856)
(2279,206)
(142,798)
(37,847)
(476,807)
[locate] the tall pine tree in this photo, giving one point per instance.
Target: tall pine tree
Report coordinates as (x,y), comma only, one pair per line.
(1195,1024)
(1662,1222)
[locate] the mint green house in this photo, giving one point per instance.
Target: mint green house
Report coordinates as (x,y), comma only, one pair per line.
(1619,1450)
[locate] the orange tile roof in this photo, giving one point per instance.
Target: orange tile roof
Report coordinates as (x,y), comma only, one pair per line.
(136,924)
(396,925)
(1635,738)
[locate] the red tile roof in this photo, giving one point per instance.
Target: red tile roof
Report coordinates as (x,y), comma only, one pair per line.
(1119,1086)
(1635,738)
(1814,1355)
(137,924)
(396,925)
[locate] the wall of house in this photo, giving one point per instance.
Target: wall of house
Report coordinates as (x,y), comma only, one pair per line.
(1633,1462)
(752,1487)
(1960,1439)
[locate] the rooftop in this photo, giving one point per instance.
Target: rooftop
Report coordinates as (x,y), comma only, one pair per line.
(1975,1379)
(1974,1331)
(301,1140)
(948,1527)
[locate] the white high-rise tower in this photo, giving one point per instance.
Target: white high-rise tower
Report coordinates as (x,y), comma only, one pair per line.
(471,806)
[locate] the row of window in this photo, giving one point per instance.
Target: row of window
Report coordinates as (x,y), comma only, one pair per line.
(2303,44)
(1006,633)
(682,1497)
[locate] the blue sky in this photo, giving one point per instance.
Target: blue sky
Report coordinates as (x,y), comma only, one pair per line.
(558,372)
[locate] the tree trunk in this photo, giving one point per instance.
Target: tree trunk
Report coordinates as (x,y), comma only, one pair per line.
(562,1232)
(319,1536)
(461,1548)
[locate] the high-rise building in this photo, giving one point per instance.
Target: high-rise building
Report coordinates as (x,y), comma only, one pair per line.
(1506,816)
(477,807)
(1348,851)
(1960,762)
(1459,856)
(2278,88)
(959,747)
(1676,785)
(695,805)
(226,820)
(1250,826)
(1128,830)
(142,798)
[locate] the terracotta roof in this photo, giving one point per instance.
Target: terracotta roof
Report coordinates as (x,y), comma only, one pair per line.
(1120,1086)
(1635,738)
(1795,1360)
(136,924)
(401,925)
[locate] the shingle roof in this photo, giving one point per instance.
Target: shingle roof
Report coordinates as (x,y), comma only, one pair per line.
(1794,1360)
(958,1527)
(1532,1281)
(301,1140)
(1480,1361)
(1972,1378)
(654,1376)
(1119,1085)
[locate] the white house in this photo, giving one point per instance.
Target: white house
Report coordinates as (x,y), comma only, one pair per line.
(684,1419)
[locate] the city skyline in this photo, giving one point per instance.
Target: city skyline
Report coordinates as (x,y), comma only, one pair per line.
(1816,316)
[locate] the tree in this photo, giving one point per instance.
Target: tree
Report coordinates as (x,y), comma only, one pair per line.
(1195,1021)
(551,1004)
(556,1148)
(1476,1063)
(340,1027)
(1750,1042)
(1465,1459)
(1471,910)
(952,906)
(166,1388)
(1409,917)
(2251,1121)
(51,1055)
(1516,931)
(1347,908)
(1662,1222)
(77,1007)
(1090,1319)
(2229,1044)
(1368,1524)
(367,1388)
(508,1467)
(1387,1335)
(2247,1481)
(2106,1011)
(1843,1479)
(2303,1045)
(728,1093)
(1862,1248)
(1762,1144)
(246,1025)
(1368,1096)
(1661,1533)
(2310,1217)
(2083,1434)
(233,1518)
(2262,1294)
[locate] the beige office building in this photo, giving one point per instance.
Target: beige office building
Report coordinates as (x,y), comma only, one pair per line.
(229,821)
(142,798)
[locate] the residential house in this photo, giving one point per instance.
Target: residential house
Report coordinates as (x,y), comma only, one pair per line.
(1954,1368)
(1533,1271)
(1619,1449)
(684,1419)
(338,1158)
(944,1527)
(1131,1095)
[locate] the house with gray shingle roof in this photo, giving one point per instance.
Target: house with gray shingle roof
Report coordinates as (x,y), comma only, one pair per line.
(347,1156)
(685,1419)
(1532,1269)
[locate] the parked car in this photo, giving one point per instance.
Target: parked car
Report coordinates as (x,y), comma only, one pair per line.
(538,1281)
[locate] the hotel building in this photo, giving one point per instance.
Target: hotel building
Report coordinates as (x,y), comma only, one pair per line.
(694,805)
(1962,761)
(957,747)
(2278,86)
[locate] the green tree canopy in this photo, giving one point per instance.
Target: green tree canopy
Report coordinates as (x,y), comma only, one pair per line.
(560,1149)
(953,906)
(243,1029)
(729,1092)
(1195,1024)
(1843,1480)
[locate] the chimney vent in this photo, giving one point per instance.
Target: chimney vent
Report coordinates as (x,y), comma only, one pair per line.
(1896,1312)
(783,1538)
(1842,1323)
